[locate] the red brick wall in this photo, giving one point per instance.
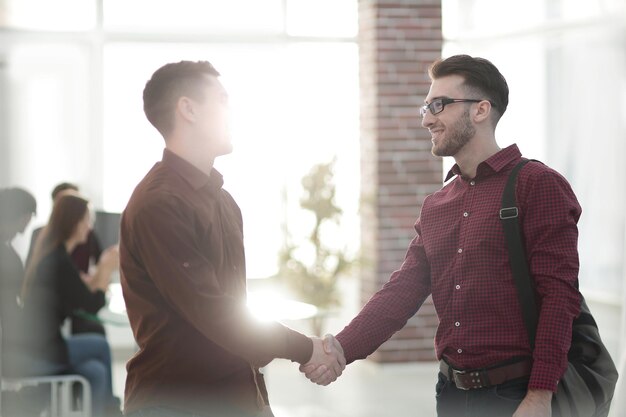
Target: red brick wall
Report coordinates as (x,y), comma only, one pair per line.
(398,41)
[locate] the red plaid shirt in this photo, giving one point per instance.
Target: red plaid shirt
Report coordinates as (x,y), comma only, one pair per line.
(460,256)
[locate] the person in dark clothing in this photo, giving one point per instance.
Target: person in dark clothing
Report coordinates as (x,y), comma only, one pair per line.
(52,291)
(83,255)
(17,207)
(183,268)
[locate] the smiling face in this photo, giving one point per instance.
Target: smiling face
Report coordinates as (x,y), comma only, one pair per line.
(452,128)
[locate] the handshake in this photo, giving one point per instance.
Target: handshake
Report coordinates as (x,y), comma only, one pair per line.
(327,361)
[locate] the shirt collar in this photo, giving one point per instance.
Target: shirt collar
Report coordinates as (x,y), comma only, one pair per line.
(493,164)
(196,178)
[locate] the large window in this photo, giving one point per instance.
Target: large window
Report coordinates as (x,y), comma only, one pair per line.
(72,86)
(293,105)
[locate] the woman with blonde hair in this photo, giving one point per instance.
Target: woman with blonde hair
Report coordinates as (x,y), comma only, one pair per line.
(53,290)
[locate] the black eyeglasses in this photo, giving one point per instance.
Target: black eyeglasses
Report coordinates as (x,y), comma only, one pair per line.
(437,105)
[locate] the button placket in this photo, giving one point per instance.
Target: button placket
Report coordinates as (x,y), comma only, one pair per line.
(465,215)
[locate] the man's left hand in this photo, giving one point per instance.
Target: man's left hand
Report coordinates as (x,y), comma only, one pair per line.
(537,403)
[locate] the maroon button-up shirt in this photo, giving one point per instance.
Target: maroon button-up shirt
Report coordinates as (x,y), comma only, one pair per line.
(184,283)
(460,256)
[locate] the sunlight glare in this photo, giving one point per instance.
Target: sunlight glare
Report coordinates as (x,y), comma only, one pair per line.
(269,306)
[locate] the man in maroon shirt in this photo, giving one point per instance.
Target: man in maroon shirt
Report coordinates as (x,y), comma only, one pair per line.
(459,255)
(183,268)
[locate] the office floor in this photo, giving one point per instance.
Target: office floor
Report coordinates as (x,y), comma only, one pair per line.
(366,389)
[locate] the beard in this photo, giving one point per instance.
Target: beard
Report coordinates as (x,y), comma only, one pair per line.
(457,136)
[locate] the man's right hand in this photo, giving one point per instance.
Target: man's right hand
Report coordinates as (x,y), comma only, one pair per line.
(327,362)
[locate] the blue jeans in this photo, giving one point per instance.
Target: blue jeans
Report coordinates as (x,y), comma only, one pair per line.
(90,357)
(497,401)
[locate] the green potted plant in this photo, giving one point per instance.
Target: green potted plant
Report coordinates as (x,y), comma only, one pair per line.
(313,279)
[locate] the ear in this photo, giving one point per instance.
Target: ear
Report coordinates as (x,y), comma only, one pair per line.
(186,108)
(483,111)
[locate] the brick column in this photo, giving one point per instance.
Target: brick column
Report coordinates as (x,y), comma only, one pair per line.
(398,41)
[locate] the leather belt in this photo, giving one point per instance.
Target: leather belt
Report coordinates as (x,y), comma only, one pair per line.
(482,378)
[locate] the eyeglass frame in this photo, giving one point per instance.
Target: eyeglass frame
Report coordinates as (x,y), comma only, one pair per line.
(445,101)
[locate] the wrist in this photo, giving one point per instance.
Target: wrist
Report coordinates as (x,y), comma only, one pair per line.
(298,347)
(539,396)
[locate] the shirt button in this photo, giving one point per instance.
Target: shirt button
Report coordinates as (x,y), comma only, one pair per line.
(465,214)
(472,182)
(457,324)
(460,250)
(460,350)
(458,287)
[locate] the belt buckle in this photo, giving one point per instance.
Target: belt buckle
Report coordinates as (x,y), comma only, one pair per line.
(458,372)
(476,381)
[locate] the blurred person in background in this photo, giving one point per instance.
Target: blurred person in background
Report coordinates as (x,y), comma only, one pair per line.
(85,255)
(52,291)
(17,207)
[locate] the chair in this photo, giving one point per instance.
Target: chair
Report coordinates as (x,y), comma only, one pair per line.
(63,402)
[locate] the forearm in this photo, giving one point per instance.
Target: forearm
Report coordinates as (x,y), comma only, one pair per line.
(279,342)
(231,326)
(383,315)
(260,345)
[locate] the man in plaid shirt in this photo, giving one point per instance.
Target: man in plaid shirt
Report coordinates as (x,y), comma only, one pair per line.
(459,255)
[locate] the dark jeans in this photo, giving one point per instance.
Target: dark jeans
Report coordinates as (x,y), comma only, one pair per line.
(497,401)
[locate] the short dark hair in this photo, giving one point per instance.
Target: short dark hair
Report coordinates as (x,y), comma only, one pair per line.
(479,75)
(167,85)
(62,187)
(16,202)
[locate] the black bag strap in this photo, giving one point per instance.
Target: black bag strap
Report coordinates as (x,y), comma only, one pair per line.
(509,216)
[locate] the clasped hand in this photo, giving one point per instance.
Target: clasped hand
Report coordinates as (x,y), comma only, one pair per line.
(327,362)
